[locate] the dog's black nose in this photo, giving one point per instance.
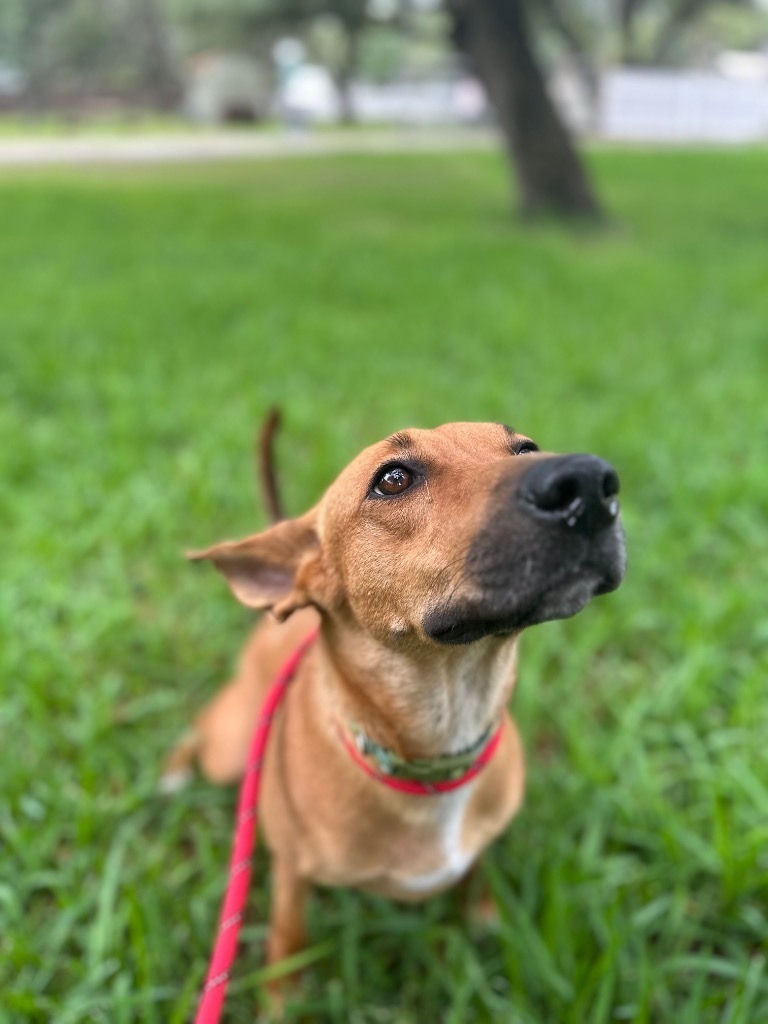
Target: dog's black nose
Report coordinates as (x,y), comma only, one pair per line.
(576,490)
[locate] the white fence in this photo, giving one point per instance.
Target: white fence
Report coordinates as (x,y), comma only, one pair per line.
(685,106)
(634,105)
(447,101)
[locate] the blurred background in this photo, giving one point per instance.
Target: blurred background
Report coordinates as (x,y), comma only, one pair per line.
(619,69)
(378,215)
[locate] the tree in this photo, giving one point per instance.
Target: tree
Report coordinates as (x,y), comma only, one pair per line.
(574,31)
(496,37)
(149,32)
(259,20)
(71,50)
(650,30)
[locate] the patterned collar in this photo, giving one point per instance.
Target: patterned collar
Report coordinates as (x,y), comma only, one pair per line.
(421,776)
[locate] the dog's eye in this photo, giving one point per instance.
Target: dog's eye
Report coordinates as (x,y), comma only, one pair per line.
(393,480)
(524,448)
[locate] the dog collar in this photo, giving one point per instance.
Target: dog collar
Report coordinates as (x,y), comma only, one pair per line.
(423,776)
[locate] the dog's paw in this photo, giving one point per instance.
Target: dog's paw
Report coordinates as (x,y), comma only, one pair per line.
(174,781)
(178,771)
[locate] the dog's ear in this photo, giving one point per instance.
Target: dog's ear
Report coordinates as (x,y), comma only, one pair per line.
(272,569)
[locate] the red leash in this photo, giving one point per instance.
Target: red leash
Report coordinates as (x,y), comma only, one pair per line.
(230,919)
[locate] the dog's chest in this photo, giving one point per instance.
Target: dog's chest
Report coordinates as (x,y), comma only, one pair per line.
(443,857)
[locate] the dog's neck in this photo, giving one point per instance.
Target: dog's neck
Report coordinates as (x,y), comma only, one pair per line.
(419,702)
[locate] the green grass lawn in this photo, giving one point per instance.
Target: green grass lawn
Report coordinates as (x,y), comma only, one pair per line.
(147,318)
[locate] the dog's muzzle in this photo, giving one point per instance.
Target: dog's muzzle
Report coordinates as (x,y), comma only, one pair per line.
(553,540)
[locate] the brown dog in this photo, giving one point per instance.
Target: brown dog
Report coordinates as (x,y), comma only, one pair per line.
(421,564)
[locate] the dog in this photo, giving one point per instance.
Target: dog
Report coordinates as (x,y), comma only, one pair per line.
(420,567)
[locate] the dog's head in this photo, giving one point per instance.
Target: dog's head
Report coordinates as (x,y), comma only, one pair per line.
(442,536)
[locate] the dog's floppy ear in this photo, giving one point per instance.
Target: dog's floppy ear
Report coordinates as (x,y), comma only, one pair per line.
(270,569)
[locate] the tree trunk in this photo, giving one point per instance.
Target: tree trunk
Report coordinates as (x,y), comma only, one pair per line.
(551,177)
(346,73)
(627,10)
(37,90)
(160,83)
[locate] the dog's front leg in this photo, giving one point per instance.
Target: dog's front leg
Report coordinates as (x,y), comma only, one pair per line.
(287,928)
(475,900)
(287,919)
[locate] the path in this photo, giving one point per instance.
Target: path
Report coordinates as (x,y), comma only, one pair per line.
(211,146)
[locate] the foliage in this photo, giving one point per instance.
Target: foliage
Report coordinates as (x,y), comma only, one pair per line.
(135,49)
(148,318)
(351,38)
(648,31)
(69,50)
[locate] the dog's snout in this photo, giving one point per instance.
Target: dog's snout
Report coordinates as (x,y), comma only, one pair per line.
(577,490)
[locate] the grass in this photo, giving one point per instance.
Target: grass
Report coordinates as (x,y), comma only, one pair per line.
(147,319)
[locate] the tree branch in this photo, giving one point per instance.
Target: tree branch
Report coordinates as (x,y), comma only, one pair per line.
(670,31)
(575,45)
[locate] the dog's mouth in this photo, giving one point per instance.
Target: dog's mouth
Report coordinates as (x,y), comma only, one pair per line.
(502,611)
